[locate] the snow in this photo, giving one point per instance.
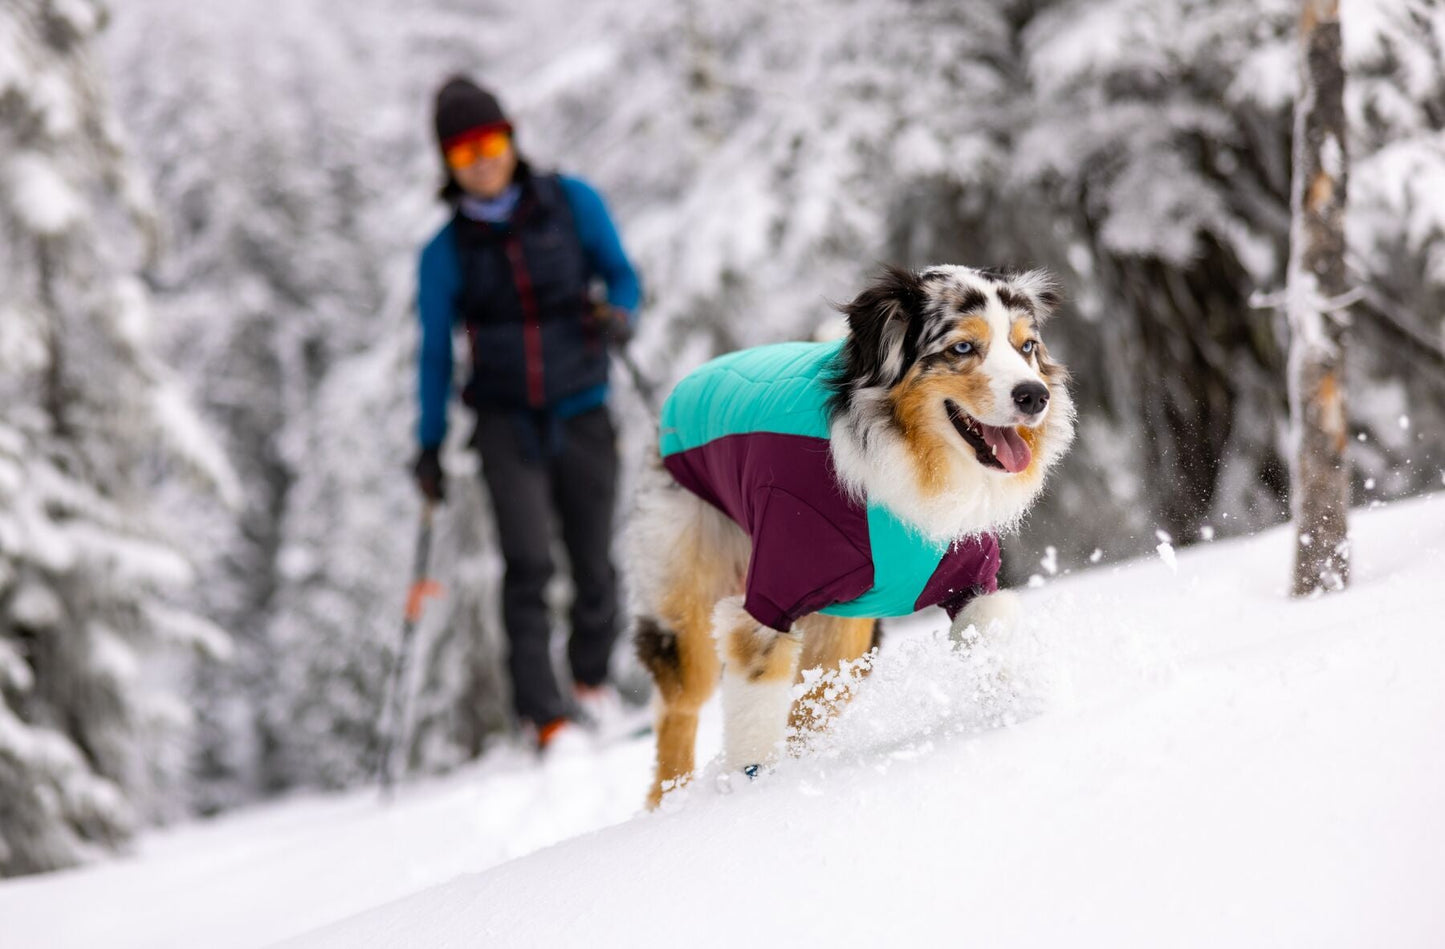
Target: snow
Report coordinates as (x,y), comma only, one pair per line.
(1332,157)
(21,345)
(35,606)
(1077,37)
(1269,76)
(182,627)
(82,16)
(274,871)
(1155,757)
(1050,560)
(44,202)
(761,159)
(192,440)
(14,670)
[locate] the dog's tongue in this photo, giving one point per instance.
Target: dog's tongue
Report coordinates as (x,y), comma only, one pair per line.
(1011,450)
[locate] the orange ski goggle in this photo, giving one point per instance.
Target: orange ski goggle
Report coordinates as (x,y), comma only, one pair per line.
(470,147)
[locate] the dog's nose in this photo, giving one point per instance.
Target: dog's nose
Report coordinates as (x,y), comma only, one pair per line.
(1031,397)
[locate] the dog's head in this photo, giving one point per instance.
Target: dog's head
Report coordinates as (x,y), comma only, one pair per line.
(950,360)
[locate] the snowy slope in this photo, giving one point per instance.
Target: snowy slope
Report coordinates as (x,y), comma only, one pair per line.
(1222,767)
(1169,753)
(267,873)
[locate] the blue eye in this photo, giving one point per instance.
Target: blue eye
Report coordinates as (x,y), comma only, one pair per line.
(1029,346)
(961,349)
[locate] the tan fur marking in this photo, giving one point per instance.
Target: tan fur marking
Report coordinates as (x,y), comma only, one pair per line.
(918,407)
(1021,331)
(761,654)
(969,389)
(974,329)
(676,739)
(687,607)
(828,641)
(916,403)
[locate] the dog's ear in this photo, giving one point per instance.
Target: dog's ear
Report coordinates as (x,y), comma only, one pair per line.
(1042,290)
(884,322)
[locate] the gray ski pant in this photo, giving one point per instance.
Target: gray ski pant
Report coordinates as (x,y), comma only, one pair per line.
(548,477)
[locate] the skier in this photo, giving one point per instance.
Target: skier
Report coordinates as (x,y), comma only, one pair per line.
(516,266)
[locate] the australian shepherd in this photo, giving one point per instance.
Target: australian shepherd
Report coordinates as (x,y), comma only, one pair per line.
(941,411)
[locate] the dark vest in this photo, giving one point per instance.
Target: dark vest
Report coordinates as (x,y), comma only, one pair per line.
(525,302)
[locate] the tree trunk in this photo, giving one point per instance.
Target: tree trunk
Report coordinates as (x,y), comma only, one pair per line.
(54,399)
(1317,285)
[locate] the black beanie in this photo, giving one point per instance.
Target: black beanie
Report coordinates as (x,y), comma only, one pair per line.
(463,105)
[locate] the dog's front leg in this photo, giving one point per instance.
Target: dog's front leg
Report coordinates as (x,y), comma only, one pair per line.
(1000,610)
(759,665)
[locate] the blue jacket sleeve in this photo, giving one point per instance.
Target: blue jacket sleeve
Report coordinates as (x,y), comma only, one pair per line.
(602,245)
(438,282)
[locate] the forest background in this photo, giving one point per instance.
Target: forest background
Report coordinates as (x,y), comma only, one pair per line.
(209,216)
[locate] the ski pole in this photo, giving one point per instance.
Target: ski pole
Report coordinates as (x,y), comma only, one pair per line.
(394,711)
(645,389)
(621,335)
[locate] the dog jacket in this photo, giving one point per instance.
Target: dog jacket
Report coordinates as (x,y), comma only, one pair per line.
(748,433)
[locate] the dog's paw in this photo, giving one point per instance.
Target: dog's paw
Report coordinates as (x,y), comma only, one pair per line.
(998,612)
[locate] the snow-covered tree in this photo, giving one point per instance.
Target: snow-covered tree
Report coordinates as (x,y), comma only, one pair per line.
(1395,239)
(247,123)
(91,731)
(296,179)
(761,159)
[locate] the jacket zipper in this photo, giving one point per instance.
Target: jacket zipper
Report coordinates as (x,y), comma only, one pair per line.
(532,325)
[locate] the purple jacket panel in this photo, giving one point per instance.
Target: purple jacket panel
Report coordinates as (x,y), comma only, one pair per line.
(810,542)
(969,569)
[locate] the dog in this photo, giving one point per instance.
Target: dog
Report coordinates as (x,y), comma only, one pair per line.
(804,490)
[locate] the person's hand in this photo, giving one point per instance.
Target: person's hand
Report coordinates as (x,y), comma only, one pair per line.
(429,477)
(615,323)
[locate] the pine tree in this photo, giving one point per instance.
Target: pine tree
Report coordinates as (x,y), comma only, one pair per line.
(298,198)
(91,734)
(760,159)
(1316,296)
